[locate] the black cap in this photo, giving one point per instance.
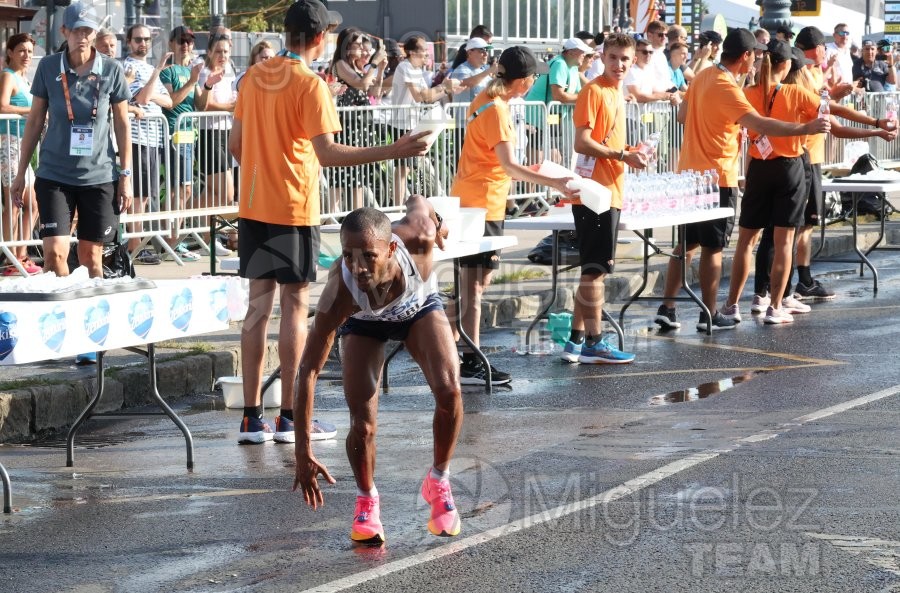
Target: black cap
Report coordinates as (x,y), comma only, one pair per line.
(710,37)
(809,38)
(884,43)
(740,41)
(181,32)
(779,51)
(310,17)
(786,32)
(518,62)
(799,59)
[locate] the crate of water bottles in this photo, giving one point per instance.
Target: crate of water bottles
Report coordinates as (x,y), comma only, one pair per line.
(659,194)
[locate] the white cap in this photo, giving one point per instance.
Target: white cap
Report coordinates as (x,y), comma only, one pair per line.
(576,43)
(476,43)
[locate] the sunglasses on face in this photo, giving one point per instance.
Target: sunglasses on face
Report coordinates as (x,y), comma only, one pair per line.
(646,52)
(843,33)
(142,39)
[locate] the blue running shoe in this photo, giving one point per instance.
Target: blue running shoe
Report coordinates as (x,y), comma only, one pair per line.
(571,352)
(284,430)
(603,352)
(86,358)
(254,431)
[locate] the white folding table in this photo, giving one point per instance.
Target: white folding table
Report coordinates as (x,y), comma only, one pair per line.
(46,326)
(855,188)
(640,227)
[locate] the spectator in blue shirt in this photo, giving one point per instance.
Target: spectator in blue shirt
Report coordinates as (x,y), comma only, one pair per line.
(678,55)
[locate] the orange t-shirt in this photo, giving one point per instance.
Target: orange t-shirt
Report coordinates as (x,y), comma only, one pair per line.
(815,143)
(601,107)
(481,182)
(711,132)
(281,106)
(791,104)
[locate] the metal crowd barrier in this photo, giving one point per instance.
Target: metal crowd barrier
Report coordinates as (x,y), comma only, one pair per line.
(18,226)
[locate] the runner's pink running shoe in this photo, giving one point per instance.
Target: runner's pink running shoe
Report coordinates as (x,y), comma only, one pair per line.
(367,521)
(444,518)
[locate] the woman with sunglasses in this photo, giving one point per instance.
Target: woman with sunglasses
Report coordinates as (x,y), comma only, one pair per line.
(487,168)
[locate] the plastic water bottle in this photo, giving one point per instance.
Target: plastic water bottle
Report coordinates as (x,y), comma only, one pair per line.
(648,147)
(890,113)
(824,105)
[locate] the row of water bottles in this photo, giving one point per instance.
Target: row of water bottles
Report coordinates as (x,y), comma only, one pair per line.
(670,193)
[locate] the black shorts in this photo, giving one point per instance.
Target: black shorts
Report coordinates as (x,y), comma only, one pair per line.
(489,259)
(389,330)
(97,207)
(286,253)
(213,152)
(776,193)
(597,236)
(714,233)
(145,172)
(815,202)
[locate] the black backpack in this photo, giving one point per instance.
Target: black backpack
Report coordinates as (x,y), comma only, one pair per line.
(866,203)
(569,255)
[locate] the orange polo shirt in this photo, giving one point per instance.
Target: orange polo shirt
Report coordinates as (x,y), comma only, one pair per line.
(481,182)
(711,132)
(791,103)
(815,143)
(282,105)
(601,107)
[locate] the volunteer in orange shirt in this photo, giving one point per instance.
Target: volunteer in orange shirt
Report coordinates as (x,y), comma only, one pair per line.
(713,112)
(812,41)
(283,133)
(487,167)
(775,183)
(812,190)
(599,120)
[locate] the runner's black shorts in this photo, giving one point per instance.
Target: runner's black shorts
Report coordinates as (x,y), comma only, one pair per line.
(389,330)
(776,193)
(714,233)
(597,236)
(97,207)
(489,259)
(288,254)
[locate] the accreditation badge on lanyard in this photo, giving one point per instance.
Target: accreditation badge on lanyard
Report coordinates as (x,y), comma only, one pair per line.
(81,139)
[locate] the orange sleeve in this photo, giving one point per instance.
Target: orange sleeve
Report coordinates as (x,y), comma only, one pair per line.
(496,126)
(734,104)
(318,113)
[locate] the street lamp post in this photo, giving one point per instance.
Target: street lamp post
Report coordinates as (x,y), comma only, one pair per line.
(776,13)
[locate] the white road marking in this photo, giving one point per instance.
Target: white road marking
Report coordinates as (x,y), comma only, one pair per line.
(625,489)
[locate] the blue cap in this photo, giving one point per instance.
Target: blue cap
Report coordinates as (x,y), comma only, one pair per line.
(80,14)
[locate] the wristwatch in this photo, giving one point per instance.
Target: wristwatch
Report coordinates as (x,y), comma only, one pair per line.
(125,173)
(440,221)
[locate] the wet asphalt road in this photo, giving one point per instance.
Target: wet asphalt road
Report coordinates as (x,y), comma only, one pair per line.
(749,461)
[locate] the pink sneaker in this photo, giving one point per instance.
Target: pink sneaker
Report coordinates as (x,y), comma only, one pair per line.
(444,518)
(367,521)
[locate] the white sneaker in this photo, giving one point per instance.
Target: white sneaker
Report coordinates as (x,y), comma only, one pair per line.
(221,250)
(732,312)
(777,316)
(793,306)
(760,303)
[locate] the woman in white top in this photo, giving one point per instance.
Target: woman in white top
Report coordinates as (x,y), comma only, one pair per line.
(15,99)
(409,91)
(213,157)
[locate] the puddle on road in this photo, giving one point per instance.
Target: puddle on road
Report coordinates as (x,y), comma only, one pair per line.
(703,390)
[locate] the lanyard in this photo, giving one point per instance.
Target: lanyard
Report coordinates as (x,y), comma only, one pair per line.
(289,54)
(63,77)
(727,71)
(772,100)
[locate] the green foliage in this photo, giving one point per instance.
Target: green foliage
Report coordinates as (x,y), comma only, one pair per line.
(257,23)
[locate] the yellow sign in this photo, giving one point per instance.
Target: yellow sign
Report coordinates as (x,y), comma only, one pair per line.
(892,27)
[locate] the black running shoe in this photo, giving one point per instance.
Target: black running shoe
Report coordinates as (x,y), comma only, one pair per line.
(665,318)
(719,322)
(813,291)
(472,373)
